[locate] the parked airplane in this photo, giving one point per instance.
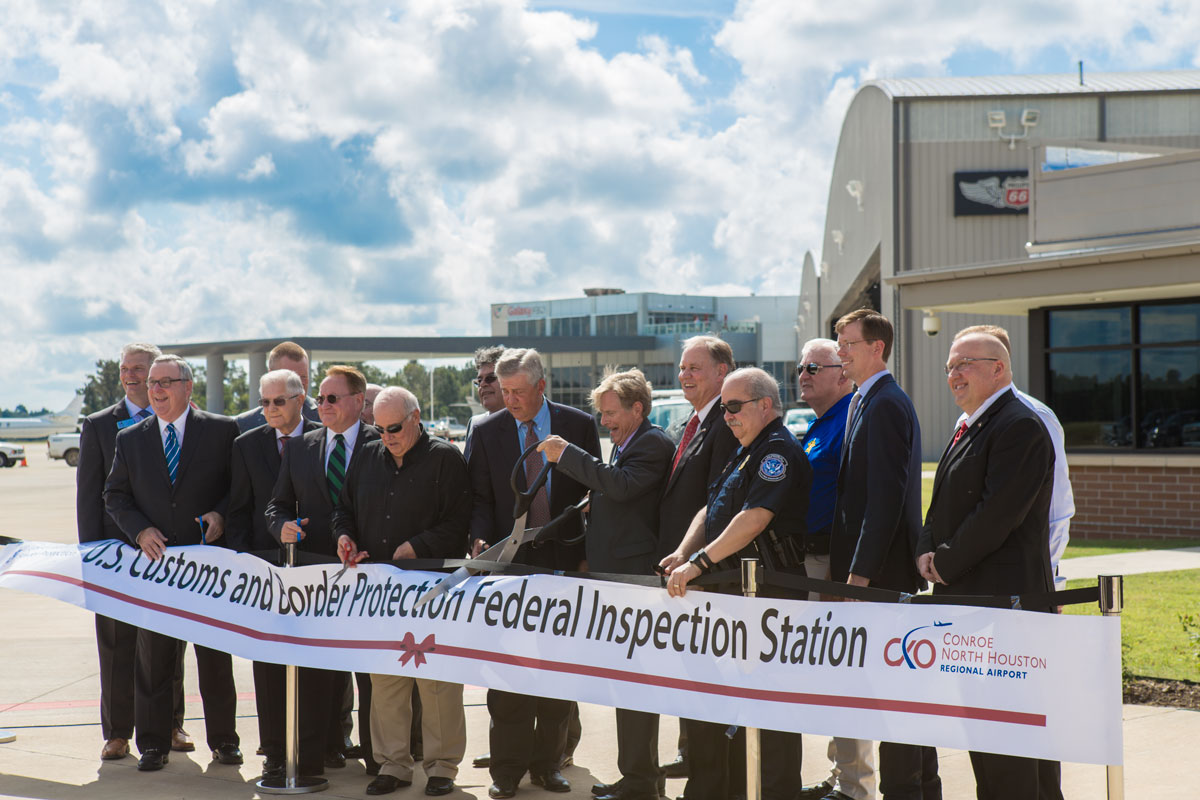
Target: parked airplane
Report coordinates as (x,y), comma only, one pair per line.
(41,427)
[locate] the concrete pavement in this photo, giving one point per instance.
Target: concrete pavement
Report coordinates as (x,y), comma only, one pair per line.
(49,697)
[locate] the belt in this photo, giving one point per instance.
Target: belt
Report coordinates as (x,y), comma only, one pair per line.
(817,543)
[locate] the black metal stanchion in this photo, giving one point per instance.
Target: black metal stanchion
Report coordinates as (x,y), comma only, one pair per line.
(292,782)
(1112,601)
(751,573)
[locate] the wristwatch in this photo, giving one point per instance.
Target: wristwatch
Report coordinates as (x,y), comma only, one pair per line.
(701,561)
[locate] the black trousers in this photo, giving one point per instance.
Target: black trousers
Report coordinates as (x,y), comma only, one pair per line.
(998,776)
(527,734)
(154,702)
(637,752)
(910,772)
(116,645)
(270,684)
(717,763)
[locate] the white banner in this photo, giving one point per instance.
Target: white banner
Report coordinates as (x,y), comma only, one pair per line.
(1014,682)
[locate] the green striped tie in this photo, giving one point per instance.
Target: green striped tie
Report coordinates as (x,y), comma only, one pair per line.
(335,473)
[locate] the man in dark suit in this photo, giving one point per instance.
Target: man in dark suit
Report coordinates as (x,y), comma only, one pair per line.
(255,469)
(705,445)
(169,485)
(311,475)
(285,355)
(987,531)
(518,744)
(116,641)
(623,537)
(877,515)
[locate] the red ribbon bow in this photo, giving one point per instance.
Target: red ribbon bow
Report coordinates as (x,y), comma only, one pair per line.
(412,650)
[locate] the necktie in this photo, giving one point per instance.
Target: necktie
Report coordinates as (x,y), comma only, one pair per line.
(689,433)
(145,412)
(539,509)
(283,440)
(958,433)
(335,472)
(172,451)
(854,401)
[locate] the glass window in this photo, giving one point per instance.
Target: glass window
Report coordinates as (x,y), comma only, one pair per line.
(570,326)
(1082,327)
(616,325)
(1170,323)
(1170,397)
(1090,394)
(527,327)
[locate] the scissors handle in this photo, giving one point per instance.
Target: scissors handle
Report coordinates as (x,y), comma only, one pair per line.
(525,499)
(551,530)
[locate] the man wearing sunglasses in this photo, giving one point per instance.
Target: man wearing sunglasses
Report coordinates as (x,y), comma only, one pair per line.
(285,355)
(825,387)
(487,387)
(312,473)
(408,497)
(756,509)
(257,456)
(877,515)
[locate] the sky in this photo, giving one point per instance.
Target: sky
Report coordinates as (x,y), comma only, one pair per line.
(196,171)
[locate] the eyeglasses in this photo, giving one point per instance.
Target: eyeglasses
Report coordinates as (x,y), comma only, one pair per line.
(278,402)
(735,406)
(164,383)
(332,398)
(847,344)
(813,368)
(394,428)
(489,378)
(963,362)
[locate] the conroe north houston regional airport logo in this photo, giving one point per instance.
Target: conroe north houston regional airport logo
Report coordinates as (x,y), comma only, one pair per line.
(959,653)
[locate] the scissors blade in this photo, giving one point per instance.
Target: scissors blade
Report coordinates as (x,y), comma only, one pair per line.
(501,552)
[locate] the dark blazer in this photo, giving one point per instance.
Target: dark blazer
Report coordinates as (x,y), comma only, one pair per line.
(139,493)
(494,451)
(97,444)
(249,420)
(302,485)
(622,531)
(254,470)
(877,516)
(686,489)
(988,520)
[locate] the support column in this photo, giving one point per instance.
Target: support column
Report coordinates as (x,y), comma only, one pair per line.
(258,368)
(215,396)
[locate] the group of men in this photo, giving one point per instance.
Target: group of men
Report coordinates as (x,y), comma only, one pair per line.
(368,483)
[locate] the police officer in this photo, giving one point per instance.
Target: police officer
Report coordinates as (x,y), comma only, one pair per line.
(757,509)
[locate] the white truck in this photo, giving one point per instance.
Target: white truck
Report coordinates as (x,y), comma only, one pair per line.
(64,446)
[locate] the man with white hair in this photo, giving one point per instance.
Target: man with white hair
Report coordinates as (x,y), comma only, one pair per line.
(408,498)
(368,410)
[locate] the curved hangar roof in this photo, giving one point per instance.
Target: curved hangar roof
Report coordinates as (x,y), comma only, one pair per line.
(1178,80)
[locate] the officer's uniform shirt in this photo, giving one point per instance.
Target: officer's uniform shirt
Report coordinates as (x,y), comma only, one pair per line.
(772,473)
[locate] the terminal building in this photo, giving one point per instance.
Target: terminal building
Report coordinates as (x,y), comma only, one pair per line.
(1065,208)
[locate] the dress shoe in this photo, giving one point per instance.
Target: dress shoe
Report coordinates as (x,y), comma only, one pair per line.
(386,784)
(181,742)
(679,769)
(836,795)
(551,781)
(482,762)
(816,792)
(600,789)
(624,794)
(152,760)
(227,754)
(335,760)
(435,787)
(354,751)
(274,769)
(115,748)
(502,788)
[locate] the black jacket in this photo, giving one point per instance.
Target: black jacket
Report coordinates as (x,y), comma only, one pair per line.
(254,470)
(686,489)
(97,444)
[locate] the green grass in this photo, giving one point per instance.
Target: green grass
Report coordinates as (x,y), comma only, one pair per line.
(1153,642)
(1105,547)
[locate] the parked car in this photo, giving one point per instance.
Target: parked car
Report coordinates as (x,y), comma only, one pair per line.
(64,446)
(671,414)
(1190,436)
(11,454)
(797,420)
(448,428)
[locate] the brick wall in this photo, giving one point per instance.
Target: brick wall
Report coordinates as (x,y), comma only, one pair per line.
(1127,502)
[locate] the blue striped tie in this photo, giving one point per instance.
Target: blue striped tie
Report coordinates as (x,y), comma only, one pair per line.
(172,450)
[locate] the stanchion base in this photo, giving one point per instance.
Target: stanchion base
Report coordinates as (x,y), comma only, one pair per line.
(7,736)
(303,785)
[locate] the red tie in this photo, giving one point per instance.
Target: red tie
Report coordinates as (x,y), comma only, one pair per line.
(688,433)
(539,507)
(283,440)
(958,433)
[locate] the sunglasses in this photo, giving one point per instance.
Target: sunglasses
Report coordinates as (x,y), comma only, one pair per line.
(735,406)
(489,378)
(395,427)
(331,398)
(813,368)
(278,402)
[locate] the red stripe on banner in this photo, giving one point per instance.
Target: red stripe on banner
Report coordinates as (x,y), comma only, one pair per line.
(793,698)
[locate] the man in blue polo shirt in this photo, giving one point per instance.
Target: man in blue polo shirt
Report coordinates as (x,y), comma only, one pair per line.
(827,391)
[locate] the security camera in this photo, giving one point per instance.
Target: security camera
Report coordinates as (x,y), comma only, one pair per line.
(932,325)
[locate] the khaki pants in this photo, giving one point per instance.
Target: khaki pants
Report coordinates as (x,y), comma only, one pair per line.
(443,726)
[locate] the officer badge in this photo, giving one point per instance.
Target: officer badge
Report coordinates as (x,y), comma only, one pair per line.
(812,444)
(773,468)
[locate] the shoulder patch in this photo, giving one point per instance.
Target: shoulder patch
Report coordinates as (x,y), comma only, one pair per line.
(808,448)
(773,468)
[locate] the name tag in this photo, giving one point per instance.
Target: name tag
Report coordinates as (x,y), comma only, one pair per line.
(125,423)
